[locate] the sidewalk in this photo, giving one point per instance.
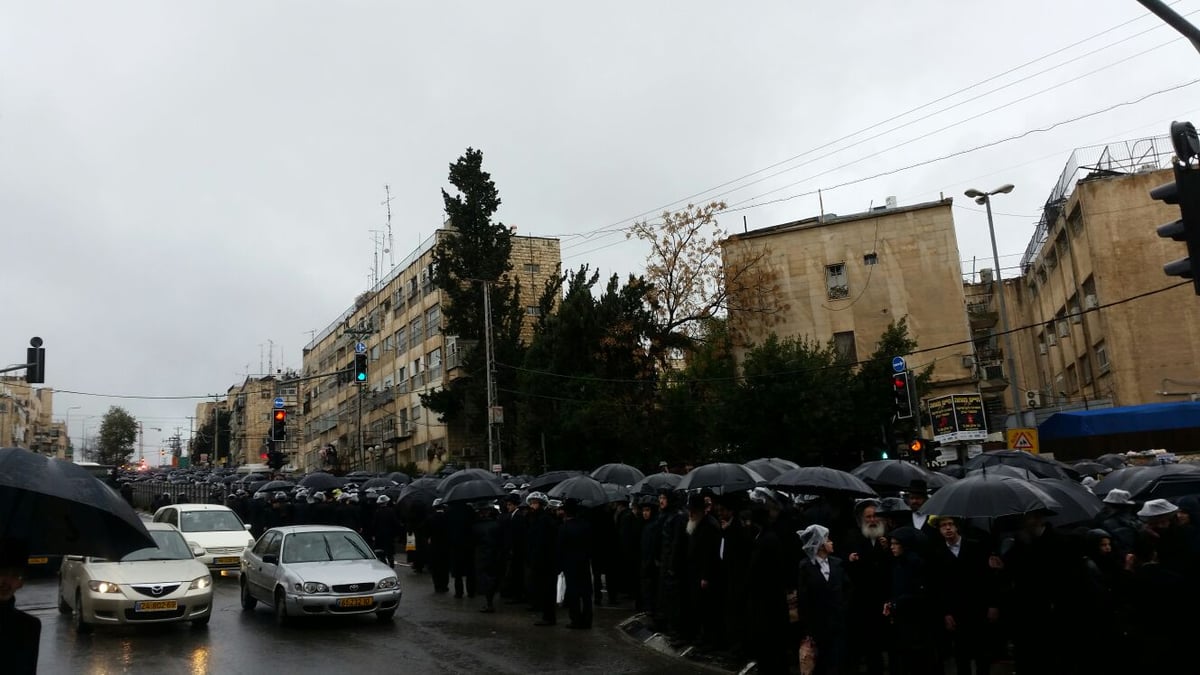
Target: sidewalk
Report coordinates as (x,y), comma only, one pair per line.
(637,628)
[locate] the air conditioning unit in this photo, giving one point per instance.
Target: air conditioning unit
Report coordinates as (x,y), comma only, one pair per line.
(1064,329)
(1033,399)
(968,362)
(1042,348)
(1090,302)
(1076,317)
(1053,341)
(994,372)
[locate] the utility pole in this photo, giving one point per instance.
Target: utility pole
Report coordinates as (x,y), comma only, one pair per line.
(1172,19)
(361,454)
(490,357)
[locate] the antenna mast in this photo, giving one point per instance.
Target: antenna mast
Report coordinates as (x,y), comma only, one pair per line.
(390,250)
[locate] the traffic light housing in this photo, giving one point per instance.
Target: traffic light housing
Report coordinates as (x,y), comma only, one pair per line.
(902,395)
(275,460)
(360,368)
(278,424)
(35,362)
(1184,193)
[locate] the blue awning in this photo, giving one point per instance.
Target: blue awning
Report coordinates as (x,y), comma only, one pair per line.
(1126,420)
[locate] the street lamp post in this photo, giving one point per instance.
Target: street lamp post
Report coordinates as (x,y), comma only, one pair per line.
(67,424)
(985,199)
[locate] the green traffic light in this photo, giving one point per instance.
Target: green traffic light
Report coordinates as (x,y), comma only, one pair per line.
(362,377)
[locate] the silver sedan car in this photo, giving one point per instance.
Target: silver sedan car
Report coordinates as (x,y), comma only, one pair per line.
(308,570)
(151,585)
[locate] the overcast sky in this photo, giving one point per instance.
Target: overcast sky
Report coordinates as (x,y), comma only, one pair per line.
(183,182)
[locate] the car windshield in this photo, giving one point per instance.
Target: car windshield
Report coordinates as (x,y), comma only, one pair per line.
(171,546)
(209,521)
(305,547)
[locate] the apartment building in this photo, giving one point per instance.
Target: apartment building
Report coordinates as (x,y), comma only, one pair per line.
(846,278)
(400,323)
(27,419)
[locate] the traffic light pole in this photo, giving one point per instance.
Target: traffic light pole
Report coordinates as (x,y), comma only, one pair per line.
(1174,20)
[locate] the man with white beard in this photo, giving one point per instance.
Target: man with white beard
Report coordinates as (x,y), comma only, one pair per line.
(868,560)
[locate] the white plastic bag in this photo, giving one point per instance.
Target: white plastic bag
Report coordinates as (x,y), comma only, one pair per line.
(562,589)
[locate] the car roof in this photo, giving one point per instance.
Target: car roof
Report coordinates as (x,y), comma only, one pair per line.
(296,529)
(199,507)
(159,526)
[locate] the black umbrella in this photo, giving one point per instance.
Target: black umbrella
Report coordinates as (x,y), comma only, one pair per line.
(415,498)
(378,483)
(400,477)
(1138,479)
(720,477)
(426,482)
(897,474)
(615,493)
(1112,461)
(988,497)
(953,471)
(550,479)
(586,489)
(275,485)
(56,507)
(821,480)
(321,481)
(618,474)
(360,475)
(473,491)
(770,467)
(1038,466)
(1078,503)
(255,486)
(463,476)
(1092,468)
(650,485)
(1005,470)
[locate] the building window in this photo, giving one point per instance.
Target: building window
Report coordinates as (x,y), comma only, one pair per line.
(531,310)
(844,344)
(532,268)
(1102,357)
(433,362)
(375,353)
(400,339)
(387,343)
(1075,220)
(871,259)
(1072,380)
(837,285)
(415,415)
(1051,259)
(433,321)
(415,336)
(1090,299)
(1085,370)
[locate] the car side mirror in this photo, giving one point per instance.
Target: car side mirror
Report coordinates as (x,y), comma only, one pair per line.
(270,559)
(197,550)
(247,526)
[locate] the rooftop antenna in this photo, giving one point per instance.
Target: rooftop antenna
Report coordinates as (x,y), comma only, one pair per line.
(271,357)
(390,250)
(377,237)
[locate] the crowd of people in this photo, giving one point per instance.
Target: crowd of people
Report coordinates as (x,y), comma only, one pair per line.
(854,586)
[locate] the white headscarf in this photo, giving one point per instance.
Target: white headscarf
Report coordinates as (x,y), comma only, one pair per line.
(812,538)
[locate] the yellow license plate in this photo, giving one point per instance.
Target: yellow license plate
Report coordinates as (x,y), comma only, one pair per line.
(155,606)
(227,561)
(41,560)
(356,602)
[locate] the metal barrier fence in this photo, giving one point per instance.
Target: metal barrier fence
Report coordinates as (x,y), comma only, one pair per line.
(144,492)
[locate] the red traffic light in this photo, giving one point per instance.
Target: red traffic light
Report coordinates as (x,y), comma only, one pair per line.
(262,456)
(916,446)
(899,381)
(280,415)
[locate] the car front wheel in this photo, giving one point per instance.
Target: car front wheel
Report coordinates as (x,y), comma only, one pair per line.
(63,607)
(281,615)
(248,601)
(81,625)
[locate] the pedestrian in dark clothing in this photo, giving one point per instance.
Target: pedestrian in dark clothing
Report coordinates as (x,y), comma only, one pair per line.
(605,553)
(462,557)
(1160,597)
(127,493)
(437,531)
(541,548)
(908,607)
(1036,567)
(823,601)
(626,559)
(868,558)
(703,584)
(20,633)
(767,584)
(489,555)
(574,556)
(385,526)
(672,565)
(965,594)
(1119,518)
(733,558)
(649,549)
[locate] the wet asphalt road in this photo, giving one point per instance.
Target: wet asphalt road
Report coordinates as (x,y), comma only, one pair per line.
(430,634)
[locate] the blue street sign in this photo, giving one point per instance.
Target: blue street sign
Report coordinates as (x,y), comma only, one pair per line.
(360,348)
(278,401)
(898,364)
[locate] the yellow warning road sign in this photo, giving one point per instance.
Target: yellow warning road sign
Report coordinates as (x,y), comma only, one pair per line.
(1023,439)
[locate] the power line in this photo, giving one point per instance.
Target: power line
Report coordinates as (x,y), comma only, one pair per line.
(897,116)
(925,350)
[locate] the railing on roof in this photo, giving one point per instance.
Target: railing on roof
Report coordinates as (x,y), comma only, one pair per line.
(1123,157)
(417,252)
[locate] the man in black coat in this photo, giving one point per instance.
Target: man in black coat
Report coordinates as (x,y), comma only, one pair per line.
(965,595)
(649,549)
(868,562)
(515,528)
(575,562)
(703,578)
(823,600)
(623,571)
(384,529)
(437,532)
(462,557)
(19,632)
(672,564)
(541,545)
(489,554)
(768,580)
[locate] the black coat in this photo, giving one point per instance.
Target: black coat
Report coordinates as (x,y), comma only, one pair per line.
(489,549)
(542,542)
(824,610)
(768,580)
(19,637)
(703,553)
(385,527)
(912,615)
(574,551)
(964,586)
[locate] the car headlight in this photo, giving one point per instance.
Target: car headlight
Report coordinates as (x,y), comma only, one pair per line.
(104,586)
(315,587)
(388,583)
(200,583)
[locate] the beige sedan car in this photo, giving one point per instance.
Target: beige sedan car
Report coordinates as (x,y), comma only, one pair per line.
(152,585)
